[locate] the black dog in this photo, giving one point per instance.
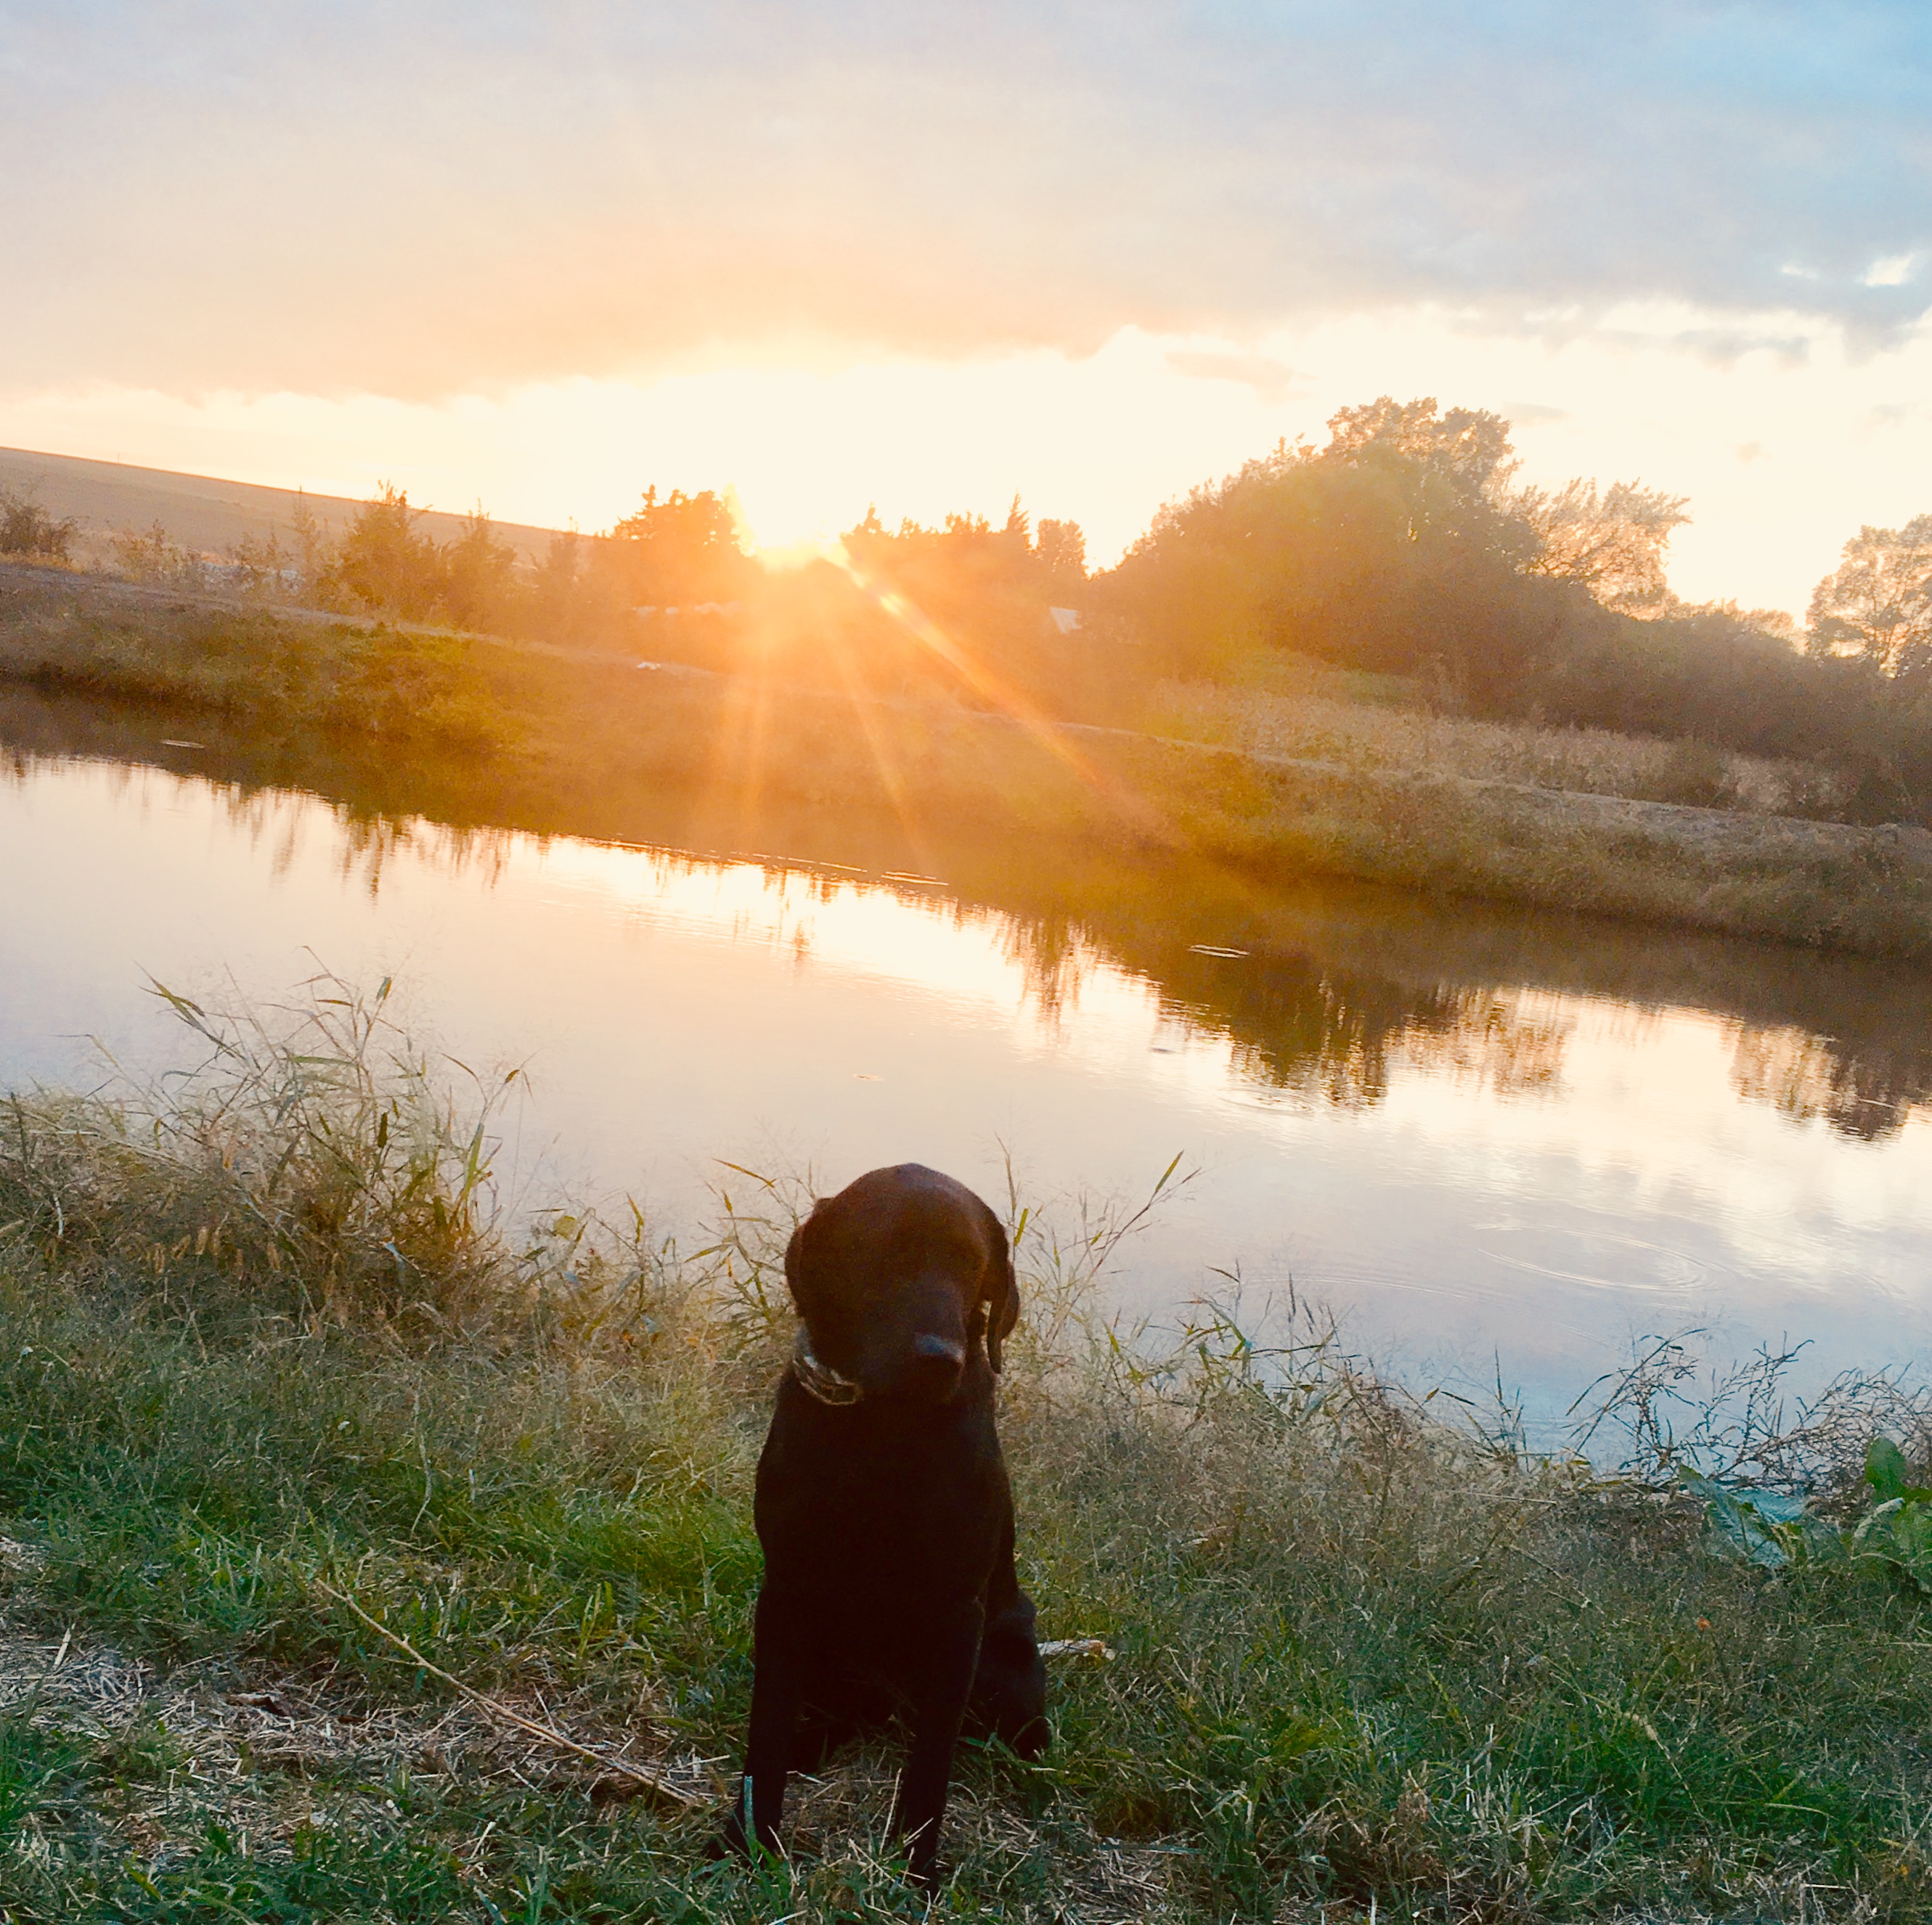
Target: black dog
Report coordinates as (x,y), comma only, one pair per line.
(883,1506)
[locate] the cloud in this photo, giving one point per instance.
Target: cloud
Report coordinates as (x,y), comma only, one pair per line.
(441,198)
(1272,380)
(1531,414)
(1894,271)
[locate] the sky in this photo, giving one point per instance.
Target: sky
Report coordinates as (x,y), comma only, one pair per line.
(931,257)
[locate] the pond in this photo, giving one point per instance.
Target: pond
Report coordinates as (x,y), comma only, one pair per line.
(1492,1141)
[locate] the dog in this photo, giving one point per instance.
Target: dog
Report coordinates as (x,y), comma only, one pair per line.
(883,1510)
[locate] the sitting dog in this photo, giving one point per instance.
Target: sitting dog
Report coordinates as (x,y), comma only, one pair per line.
(882,1506)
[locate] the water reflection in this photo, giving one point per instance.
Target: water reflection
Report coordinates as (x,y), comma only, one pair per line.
(1341,987)
(1866,1092)
(1324,992)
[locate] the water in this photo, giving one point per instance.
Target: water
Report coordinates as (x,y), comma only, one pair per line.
(1489,1139)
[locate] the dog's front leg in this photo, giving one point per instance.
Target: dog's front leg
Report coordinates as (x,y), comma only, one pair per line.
(779,1659)
(939,1706)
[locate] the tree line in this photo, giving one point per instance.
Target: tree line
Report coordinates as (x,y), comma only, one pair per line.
(1405,545)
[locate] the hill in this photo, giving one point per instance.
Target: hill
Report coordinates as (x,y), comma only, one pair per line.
(200,512)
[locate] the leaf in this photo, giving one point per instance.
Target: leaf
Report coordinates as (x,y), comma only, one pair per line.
(1771,1529)
(1736,1524)
(1885,1468)
(1872,1538)
(1776,1506)
(1911,1532)
(1899,1532)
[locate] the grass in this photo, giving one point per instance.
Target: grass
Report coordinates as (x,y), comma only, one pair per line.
(276,674)
(263,1338)
(505,732)
(1315,725)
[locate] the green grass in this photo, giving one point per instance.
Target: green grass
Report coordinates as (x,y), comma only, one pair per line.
(262,1340)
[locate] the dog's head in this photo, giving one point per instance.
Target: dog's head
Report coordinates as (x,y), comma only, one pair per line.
(891,1275)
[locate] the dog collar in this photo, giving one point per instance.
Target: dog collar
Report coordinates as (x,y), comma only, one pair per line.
(820,1379)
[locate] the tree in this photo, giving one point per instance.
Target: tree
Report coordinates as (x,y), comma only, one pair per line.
(260,565)
(1878,603)
(1610,542)
(479,575)
(968,568)
(1391,548)
(316,553)
(1062,549)
(680,550)
(557,589)
(987,587)
(382,563)
(1467,447)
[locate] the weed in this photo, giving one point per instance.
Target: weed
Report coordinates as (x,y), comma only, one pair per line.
(151,557)
(31,532)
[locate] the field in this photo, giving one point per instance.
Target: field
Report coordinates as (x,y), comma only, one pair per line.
(202,514)
(505,731)
(274,1373)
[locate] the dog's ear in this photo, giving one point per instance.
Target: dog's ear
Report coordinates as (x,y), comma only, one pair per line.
(794,1256)
(792,1251)
(1003,1294)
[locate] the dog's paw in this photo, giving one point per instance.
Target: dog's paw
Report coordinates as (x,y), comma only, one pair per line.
(927,1879)
(732,1840)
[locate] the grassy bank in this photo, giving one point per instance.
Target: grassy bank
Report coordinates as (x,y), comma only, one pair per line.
(531,729)
(1307,713)
(280,673)
(264,1348)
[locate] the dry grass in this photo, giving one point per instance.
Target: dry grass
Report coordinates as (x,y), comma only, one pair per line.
(281,675)
(1308,725)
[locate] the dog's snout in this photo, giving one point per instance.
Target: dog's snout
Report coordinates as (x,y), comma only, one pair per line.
(937,1363)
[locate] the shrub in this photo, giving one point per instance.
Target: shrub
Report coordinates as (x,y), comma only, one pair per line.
(27,529)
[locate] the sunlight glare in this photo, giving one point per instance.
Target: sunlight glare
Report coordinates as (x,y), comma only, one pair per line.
(1785,438)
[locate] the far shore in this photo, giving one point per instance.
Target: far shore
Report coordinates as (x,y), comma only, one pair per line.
(530,722)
